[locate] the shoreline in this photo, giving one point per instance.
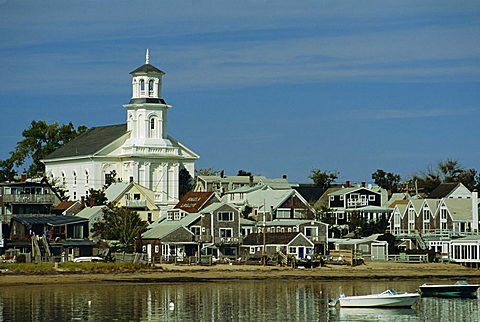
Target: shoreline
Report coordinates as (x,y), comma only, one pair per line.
(169,273)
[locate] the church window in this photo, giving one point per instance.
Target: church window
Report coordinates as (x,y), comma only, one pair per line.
(152,128)
(152,124)
(74,177)
(64,179)
(86,176)
(108,178)
(142,87)
(150,88)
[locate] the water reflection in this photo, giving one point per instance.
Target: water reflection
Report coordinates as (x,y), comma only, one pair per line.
(234,301)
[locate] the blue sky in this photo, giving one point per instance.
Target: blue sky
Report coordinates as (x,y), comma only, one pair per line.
(273,87)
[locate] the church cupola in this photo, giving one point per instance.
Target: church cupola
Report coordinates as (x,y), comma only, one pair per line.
(147,81)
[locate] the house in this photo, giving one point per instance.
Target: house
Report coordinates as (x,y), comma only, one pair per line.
(368,248)
(139,151)
(369,202)
(310,192)
(220,228)
(257,245)
(134,197)
(453,217)
(222,184)
(265,203)
(450,190)
(466,251)
(172,240)
(29,196)
(315,231)
(94,215)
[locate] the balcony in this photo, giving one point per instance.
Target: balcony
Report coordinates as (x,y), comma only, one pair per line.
(29,199)
(136,204)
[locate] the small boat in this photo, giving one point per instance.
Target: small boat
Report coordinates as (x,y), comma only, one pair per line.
(388,298)
(459,289)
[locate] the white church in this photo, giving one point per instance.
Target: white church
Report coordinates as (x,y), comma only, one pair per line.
(138,151)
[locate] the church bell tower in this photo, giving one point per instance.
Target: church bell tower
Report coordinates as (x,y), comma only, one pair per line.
(147,110)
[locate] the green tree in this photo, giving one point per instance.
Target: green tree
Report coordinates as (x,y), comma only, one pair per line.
(206,172)
(386,180)
(323,179)
(120,224)
(39,140)
(185,181)
(96,197)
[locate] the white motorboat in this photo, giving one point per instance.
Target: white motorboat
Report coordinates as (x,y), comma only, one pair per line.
(388,298)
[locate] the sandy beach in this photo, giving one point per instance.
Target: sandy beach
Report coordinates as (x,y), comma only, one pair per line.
(169,273)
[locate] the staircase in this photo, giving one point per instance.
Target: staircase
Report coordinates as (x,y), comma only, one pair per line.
(282,258)
(421,244)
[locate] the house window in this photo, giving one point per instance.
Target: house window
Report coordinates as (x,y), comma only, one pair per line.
(169,216)
(136,196)
(371,198)
(341,197)
(157,249)
(332,198)
(196,230)
(149,217)
(292,250)
(176,215)
(252,250)
(225,216)
(340,215)
(311,231)
(283,213)
(226,232)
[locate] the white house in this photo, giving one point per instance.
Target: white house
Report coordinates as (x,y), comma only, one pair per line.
(138,151)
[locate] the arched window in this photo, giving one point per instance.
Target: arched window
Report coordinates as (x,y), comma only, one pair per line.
(150,87)
(64,179)
(152,133)
(142,87)
(86,176)
(74,177)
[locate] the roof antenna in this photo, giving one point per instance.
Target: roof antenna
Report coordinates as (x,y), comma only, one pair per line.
(147,57)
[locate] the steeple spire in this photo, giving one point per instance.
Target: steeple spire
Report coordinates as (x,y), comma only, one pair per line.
(147,57)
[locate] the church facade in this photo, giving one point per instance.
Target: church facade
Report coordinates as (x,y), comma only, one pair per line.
(139,151)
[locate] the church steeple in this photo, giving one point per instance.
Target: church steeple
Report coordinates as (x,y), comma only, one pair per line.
(147,80)
(147,111)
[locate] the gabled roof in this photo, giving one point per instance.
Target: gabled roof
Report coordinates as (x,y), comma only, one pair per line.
(266,199)
(165,227)
(459,209)
(310,192)
(276,183)
(89,212)
(270,238)
(194,201)
(62,206)
(432,204)
(443,190)
(353,189)
(90,142)
(290,222)
(115,190)
(48,220)
(215,206)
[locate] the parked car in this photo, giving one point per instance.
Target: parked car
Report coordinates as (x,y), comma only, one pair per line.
(88,259)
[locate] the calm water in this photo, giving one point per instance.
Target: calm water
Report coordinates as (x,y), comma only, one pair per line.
(232,301)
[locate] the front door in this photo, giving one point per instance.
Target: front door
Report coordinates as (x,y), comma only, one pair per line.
(301,252)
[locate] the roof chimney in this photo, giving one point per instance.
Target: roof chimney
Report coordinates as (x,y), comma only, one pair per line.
(250,181)
(363,184)
(347,184)
(82,202)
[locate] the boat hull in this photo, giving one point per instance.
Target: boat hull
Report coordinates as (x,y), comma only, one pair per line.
(399,300)
(468,291)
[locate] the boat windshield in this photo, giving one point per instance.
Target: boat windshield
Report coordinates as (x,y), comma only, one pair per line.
(461,283)
(390,291)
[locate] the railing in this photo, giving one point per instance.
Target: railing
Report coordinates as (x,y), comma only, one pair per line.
(356,203)
(408,258)
(28,198)
(148,150)
(136,203)
(228,240)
